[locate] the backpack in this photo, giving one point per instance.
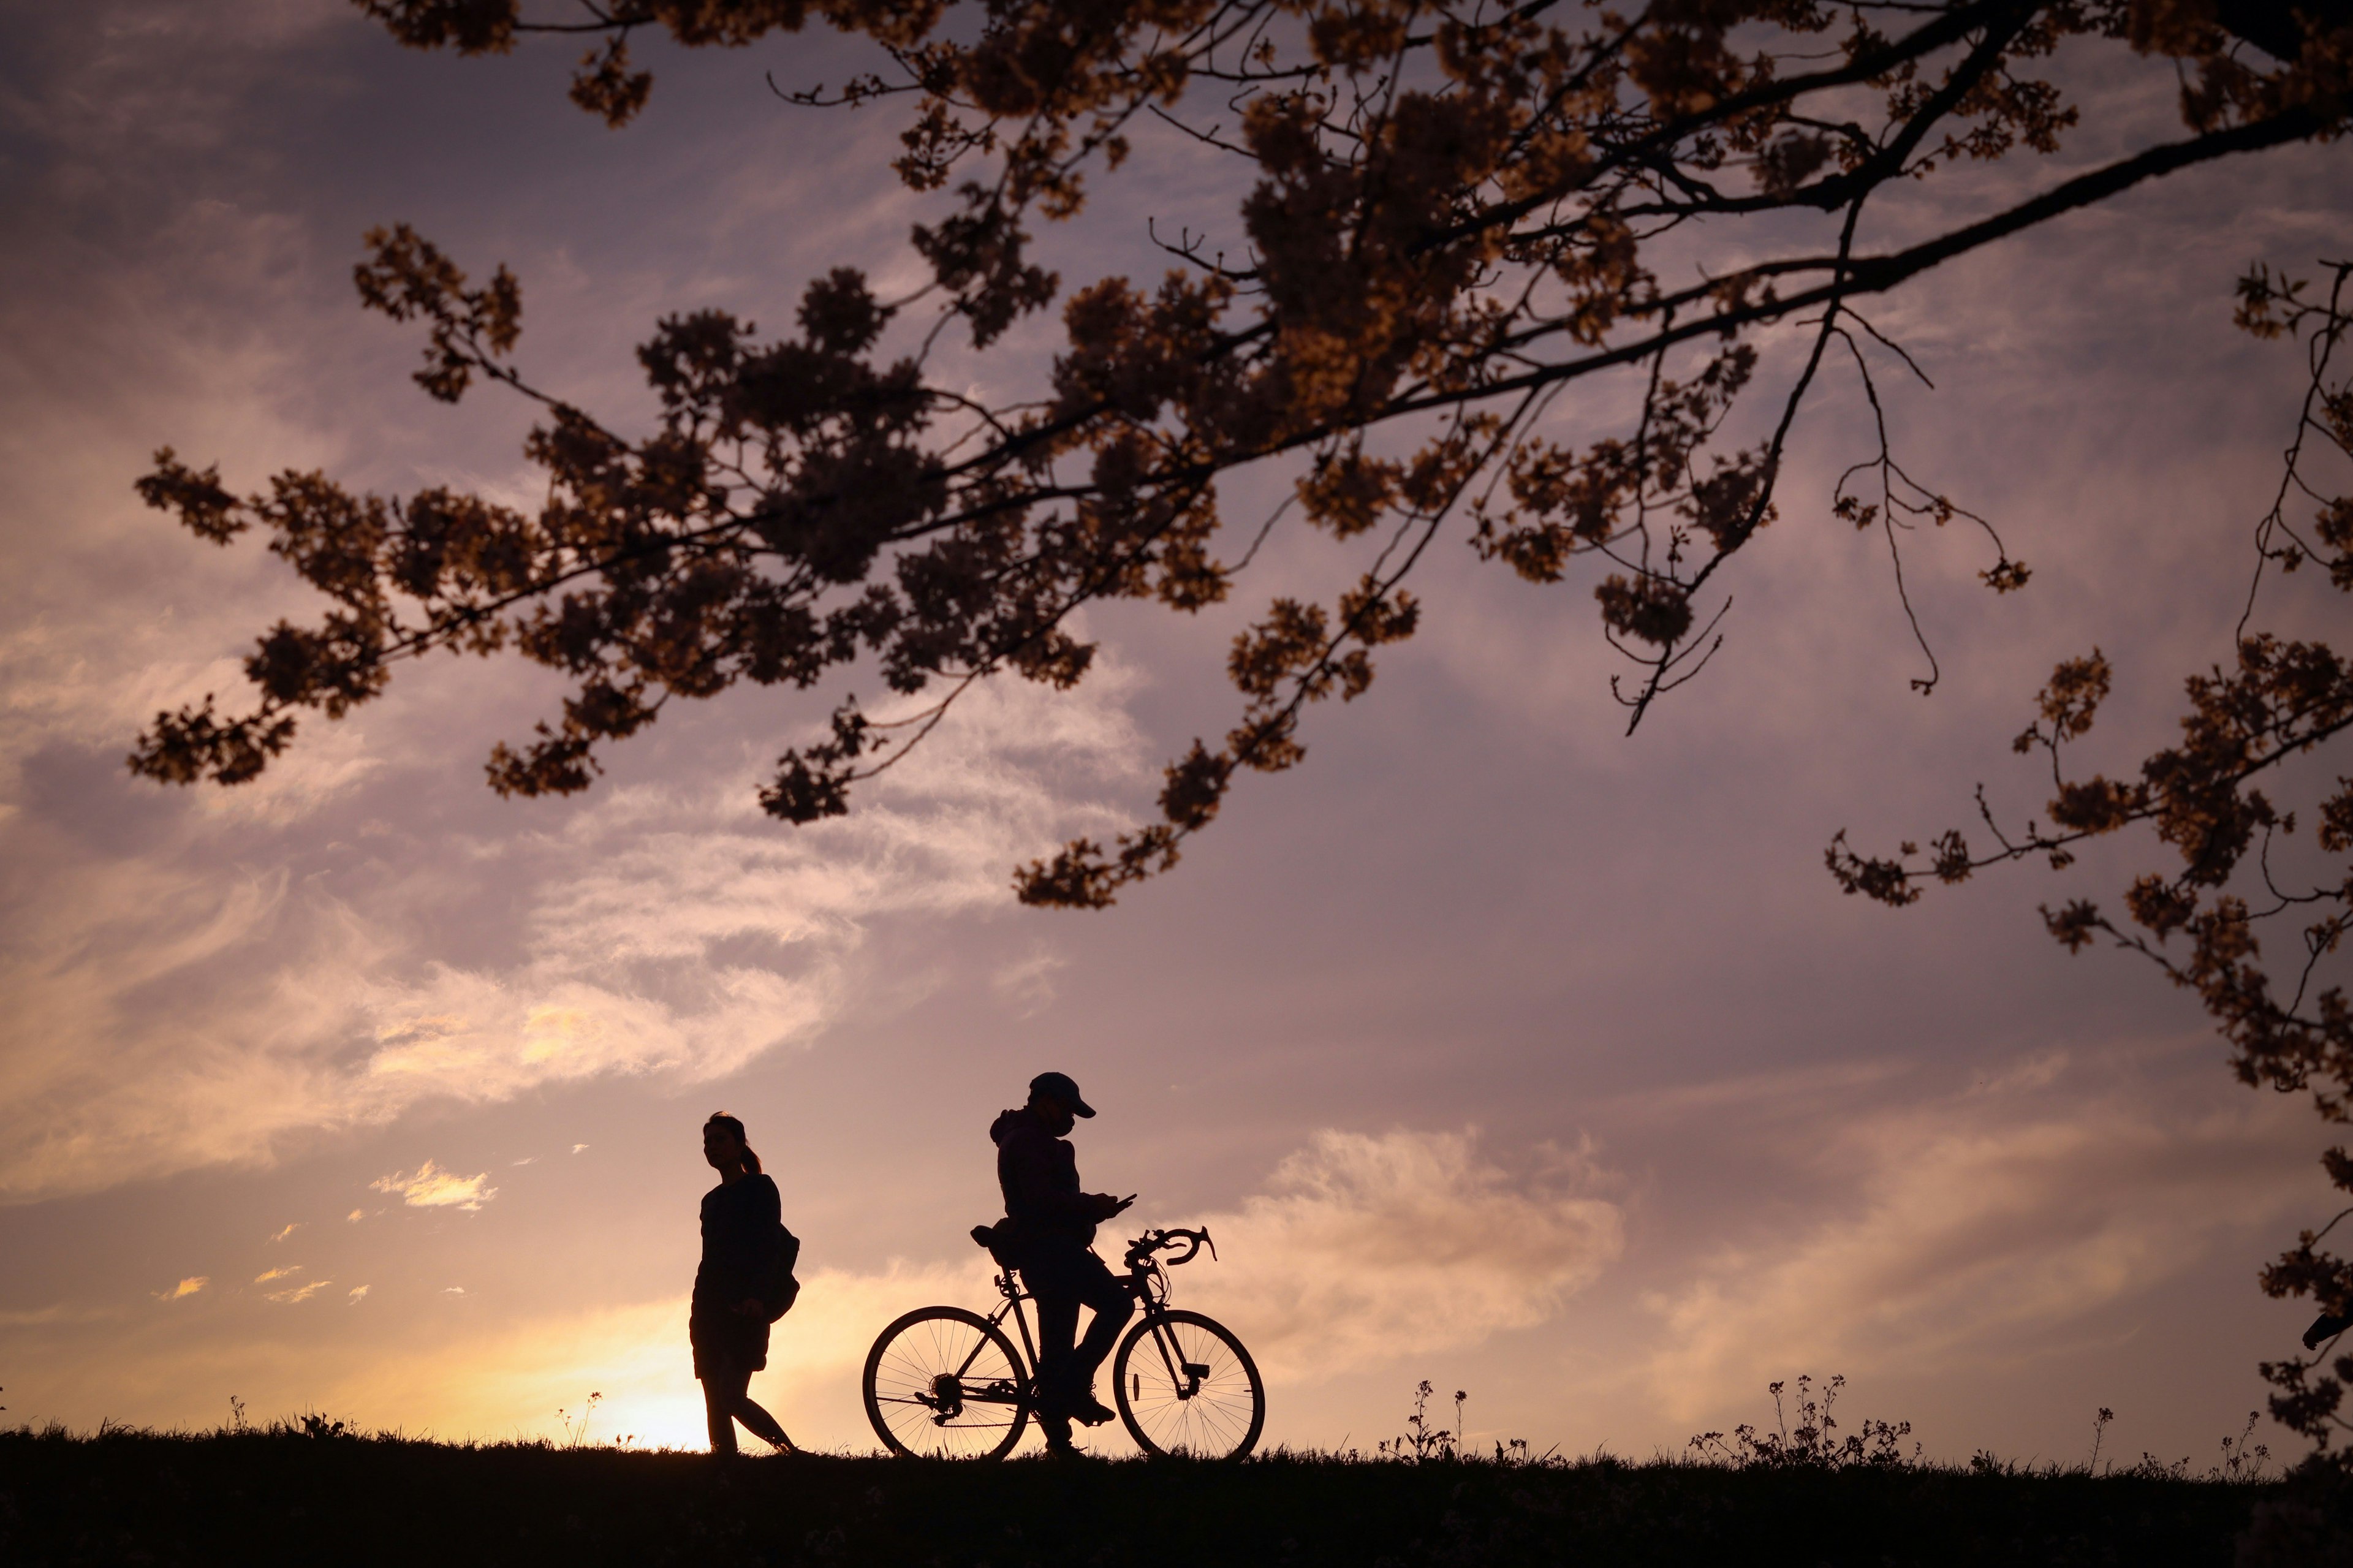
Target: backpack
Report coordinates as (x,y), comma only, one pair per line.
(782,1289)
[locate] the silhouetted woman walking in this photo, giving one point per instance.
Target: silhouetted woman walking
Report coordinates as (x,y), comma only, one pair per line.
(728,1323)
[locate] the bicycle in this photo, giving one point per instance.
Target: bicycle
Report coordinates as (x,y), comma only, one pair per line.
(946,1382)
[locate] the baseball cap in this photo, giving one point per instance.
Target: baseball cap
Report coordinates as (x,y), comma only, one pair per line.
(1057,1086)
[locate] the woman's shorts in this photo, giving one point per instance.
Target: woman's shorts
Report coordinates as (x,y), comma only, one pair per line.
(727,1342)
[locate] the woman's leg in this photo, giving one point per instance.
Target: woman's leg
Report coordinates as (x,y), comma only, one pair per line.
(727,1399)
(763,1425)
(722,1390)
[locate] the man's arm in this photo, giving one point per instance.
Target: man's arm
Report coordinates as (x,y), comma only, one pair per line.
(1030,1169)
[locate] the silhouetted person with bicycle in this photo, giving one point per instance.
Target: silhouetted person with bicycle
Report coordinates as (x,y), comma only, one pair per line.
(1051,1231)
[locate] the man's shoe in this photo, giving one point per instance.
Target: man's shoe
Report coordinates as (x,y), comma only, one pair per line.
(1089,1411)
(2328,1326)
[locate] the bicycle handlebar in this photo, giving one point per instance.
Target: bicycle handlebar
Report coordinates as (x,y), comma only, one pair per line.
(1152,1241)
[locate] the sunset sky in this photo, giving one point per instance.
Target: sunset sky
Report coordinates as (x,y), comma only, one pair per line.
(1494,1047)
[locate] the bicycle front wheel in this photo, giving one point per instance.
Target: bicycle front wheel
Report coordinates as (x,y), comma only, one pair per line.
(945,1383)
(1186,1386)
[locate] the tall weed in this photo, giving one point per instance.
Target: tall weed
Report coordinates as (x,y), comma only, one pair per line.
(1813,1443)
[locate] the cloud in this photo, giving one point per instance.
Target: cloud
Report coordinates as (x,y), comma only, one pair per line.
(434,1188)
(576,1148)
(358,1293)
(355,1216)
(286,1231)
(526,1160)
(1368,1247)
(266,1276)
(1995,1226)
(682,931)
(298,1293)
(659,929)
(107,106)
(1027,986)
(63,1314)
(186,1288)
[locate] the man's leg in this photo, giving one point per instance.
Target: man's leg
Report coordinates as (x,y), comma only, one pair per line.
(1058,1327)
(1113,1304)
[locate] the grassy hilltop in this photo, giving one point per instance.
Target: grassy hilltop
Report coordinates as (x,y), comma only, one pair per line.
(321,1496)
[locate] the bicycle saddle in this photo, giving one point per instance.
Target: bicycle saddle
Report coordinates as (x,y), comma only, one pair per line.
(986,1236)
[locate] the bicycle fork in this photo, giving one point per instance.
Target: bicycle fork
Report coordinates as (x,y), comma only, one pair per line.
(1185,1375)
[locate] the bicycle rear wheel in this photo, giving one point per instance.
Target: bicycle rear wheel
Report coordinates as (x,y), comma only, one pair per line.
(1185,1386)
(945,1383)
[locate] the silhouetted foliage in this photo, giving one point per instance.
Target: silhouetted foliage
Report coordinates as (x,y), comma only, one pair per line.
(1453,213)
(1813,1441)
(2206,798)
(1423,1444)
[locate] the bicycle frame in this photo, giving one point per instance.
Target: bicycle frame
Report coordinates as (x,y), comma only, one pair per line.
(1013,1296)
(1146,1278)
(1219,1399)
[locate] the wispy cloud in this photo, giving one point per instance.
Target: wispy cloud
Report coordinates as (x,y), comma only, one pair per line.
(358,1293)
(63,1314)
(355,1216)
(431,1187)
(185,1288)
(1027,986)
(298,1293)
(286,1231)
(682,932)
(666,929)
(268,1275)
(1366,1249)
(1993,1225)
